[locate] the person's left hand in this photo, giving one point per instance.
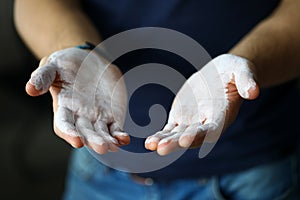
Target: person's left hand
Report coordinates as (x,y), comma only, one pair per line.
(206,105)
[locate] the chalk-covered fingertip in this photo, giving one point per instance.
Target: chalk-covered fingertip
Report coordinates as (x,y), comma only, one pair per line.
(32,90)
(247,87)
(186,141)
(122,137)
(250,92)
(253,92)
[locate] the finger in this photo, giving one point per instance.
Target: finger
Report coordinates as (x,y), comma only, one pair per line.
(246,85)
(102,129)
(212,131)
(179,128)
(91,138)
(64,121)
(152,141)
(64,127)
(41,80)
(116,131)
(168,144)
(210,139)
(169,126)
(193,136)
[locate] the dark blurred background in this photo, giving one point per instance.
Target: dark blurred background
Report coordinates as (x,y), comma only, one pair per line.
(33,159)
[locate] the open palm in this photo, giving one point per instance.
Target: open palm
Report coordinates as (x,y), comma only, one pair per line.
(206,104)
(89,98)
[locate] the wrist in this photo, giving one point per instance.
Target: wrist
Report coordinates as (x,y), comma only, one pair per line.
(91,47)
(86,46)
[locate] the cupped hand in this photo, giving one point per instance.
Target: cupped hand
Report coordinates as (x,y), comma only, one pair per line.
(89,98)
(206,104)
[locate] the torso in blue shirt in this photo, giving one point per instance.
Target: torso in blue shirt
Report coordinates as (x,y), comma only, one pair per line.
(266,129)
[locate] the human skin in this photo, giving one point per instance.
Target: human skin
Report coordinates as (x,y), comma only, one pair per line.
(51,25)
(91,97)
(205,105)
(272,48)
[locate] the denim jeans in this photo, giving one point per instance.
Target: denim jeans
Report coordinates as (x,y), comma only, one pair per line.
(88,179)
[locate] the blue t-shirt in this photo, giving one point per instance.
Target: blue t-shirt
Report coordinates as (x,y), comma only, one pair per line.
(265,129)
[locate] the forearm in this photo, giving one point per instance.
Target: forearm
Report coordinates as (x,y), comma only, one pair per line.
(274,45)
(50,25)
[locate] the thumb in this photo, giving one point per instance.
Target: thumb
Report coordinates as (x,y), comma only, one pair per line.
(246,85)
(41,79)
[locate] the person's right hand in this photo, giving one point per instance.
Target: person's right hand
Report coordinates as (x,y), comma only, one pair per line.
(89,98)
